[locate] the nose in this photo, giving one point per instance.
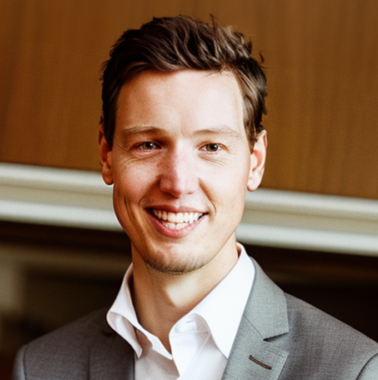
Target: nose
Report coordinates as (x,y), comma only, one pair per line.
(179,175)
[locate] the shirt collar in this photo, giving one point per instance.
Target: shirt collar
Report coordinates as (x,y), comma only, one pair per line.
(122,318)
(223,306)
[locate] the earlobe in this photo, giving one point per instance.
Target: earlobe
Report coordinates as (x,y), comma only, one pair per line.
(258,157)
(105,156)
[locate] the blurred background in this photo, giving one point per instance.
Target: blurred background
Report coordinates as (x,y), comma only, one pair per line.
(313,225)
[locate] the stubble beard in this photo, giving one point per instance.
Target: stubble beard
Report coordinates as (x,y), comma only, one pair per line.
(158,262)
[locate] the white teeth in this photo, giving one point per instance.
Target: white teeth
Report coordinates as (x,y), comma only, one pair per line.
(180,217)
(171,217)
(174,226)
(176,221)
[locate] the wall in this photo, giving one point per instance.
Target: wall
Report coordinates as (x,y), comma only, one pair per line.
(320,59)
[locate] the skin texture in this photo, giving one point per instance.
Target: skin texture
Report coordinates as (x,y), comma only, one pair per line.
(180,146)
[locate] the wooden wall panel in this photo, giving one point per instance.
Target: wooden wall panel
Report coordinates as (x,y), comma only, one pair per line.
(323,92)
(321,63)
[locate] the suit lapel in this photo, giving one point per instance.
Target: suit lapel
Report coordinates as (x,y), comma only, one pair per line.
(251,357)
(111,358)
(265,316)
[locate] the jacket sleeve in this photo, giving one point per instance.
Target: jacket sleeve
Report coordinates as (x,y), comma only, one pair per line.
(18,369)
(370,370)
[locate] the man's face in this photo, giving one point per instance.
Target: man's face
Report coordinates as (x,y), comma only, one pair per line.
(180,165)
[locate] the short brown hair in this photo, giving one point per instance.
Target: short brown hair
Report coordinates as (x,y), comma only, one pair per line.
(174,43)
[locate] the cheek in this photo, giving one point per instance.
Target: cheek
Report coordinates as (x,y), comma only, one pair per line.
(131,183)
(226,185)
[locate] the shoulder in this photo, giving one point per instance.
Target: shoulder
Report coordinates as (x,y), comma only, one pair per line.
(318,346)
(65,352)
(307,319)
(322,341)
(75,335)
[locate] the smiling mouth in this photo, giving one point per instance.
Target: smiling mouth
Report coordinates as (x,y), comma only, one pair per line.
(177,221)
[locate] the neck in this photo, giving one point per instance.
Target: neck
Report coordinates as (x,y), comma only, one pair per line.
(161,299)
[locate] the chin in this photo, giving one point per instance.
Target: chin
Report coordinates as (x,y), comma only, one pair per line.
(172,264)
(174,269)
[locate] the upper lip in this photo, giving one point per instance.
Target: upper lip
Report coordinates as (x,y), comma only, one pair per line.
(174,209)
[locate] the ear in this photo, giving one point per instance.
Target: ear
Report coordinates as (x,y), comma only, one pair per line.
(258,157)
(105,156)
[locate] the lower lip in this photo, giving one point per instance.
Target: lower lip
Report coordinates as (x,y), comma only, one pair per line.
(174,233)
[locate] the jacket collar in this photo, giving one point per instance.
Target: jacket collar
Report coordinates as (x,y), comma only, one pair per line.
(266,308)
(111,358)
(265,316)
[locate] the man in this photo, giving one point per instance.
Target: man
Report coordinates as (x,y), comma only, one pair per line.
(181,140)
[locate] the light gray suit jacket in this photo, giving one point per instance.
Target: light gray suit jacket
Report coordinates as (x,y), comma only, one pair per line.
(279,338)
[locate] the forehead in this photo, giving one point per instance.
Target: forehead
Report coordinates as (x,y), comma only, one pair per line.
(189,98)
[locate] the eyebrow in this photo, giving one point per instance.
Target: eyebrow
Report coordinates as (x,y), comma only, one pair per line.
(221,130)
(225,130)
(139,130)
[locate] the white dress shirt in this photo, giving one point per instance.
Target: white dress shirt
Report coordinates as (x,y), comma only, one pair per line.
(200,342)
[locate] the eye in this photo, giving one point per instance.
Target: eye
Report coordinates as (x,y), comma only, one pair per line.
(148,145)
(212,147)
